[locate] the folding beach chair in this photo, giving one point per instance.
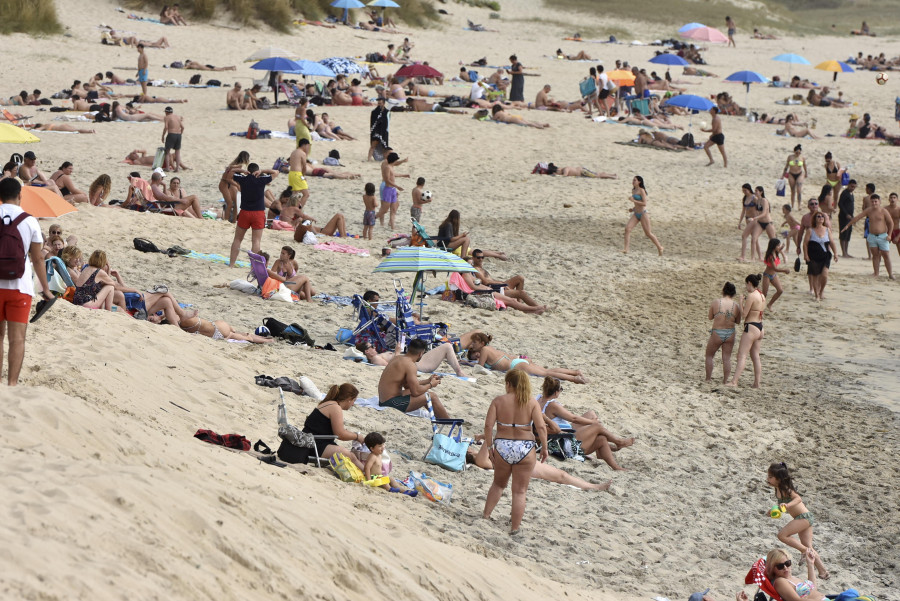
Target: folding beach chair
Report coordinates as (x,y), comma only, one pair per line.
(297,446)
(423,238)
(258,270)
(757,576)
(289,94)
(24,122)
(373,326)
(432,333)
(58,276)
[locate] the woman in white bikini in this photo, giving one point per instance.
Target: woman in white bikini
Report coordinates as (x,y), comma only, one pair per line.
(512,453)
(753,305)
(725,314)
(495,359)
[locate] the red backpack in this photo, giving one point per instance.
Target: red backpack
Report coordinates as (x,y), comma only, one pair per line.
(12,248)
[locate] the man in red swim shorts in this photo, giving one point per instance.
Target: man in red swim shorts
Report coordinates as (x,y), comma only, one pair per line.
(252,182)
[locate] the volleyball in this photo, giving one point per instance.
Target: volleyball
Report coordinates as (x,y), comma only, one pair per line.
(427,195)
(881,78)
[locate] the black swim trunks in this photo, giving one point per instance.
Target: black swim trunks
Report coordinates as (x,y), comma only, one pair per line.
(173,142)
(717,139)
(400,403)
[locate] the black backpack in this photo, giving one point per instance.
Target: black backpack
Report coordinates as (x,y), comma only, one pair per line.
(195,79)
(294,333)
(213,83)
(145,246)
(12,248)
(687,140)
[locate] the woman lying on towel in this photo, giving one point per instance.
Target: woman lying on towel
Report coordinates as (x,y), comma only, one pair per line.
(218,330)
(495,359)
(429,362)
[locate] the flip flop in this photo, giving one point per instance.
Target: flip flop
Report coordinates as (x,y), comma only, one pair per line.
(42,307)
(159,289)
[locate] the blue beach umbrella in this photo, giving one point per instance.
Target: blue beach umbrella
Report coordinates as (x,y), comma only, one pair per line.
(791,59)
(692,102)
(836,67)
(746,78)
(669,59)
(339,65)
(689,27)
(276,63)
(312,68)
(347,5)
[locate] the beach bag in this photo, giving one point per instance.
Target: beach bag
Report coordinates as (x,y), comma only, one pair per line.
(587,86)
(145,246)
(448,450)
(797,264)
(845,178)
(213,83)
(345,469)
(195,79)
(565,446)
(780,186)
(12,248)
(687,140)
(431,489)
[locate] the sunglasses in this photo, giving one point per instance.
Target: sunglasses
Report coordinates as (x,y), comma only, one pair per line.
(813,204)
(781,566)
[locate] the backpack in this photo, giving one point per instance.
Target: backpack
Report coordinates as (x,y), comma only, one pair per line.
(145,246)
(565,446)
(213,83)
(12,248)
(294,333)
(195,79)
(687,140)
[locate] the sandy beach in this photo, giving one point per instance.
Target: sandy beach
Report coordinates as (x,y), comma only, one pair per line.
(107,492)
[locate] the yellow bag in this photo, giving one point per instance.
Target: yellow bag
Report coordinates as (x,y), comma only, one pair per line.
(345,469)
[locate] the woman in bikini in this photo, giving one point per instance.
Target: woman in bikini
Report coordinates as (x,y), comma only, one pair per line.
(748,213)
(94,288)
(218,330)
(639,214)
(833,174)
(512,452)
(774,257)
(123,113)
(795,172)
(594,438)
(229,188)
(763,220)
(62,177)
(725,314)
(495,359)
(285,265)
(189,204)
(819,250)
(296,283)
(99,190)
(789,587)
(61,127)
(356,94)
(753,305)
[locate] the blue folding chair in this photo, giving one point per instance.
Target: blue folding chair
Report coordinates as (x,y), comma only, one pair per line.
(373,326)
(432,333)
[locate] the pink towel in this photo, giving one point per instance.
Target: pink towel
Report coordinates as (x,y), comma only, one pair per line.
(342,248)
(456,280)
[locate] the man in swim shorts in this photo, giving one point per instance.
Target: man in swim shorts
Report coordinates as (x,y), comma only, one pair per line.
(389,193)
(881,224)
(296,179)
(173,127)
(399,389)
(716,137)
(142,74)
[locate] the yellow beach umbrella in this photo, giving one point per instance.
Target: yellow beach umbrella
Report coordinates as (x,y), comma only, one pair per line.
(835,67)
(10,134)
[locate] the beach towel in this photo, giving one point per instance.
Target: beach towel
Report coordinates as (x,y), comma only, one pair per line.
(341,301)
(372,403)
(636,143)
(214,258)
(341,248)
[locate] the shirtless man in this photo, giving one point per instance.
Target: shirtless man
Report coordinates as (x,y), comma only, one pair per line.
(296,175)
(31,175)
(142,75)
(399,389)
(234,100)
(516,282)
(115,79)
(173,128)
(389,200)
(716,137)
(640,83)
(894,209)
(544,102)
(881,225)
(189,204)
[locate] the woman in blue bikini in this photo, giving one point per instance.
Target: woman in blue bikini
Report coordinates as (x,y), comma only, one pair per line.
(515,413)
(639,214)
(725,314)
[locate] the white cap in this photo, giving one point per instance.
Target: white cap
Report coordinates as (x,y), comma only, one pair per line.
(160,171)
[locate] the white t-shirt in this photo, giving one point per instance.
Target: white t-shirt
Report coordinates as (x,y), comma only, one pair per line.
(477,92)
(30,232)
(602,81)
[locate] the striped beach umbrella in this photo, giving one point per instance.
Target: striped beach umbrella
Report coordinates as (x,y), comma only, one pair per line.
(414,259)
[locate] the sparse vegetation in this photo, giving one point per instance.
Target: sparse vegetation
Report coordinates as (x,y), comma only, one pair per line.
(491,4)
(28,16)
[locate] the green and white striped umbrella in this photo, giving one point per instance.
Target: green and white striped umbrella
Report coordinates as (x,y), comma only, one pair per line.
(415,259)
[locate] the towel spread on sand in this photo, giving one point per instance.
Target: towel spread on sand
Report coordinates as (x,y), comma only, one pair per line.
(341,301)
(341,248)
(214,258)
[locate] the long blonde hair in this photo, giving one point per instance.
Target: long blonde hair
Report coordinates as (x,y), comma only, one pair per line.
(775,556)
(103,183)
(518,379)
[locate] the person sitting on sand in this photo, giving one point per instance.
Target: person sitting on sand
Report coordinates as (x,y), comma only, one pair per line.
(99,190)
(234,99)
(789,587)
(251,100)
(429,362)
(62,177)
(543,101)
(863,30)
(297,283)
(796,130)
(499,114)
(94,288)
(592,435)
(189,64)
(820,99)
(398,387)
(188,205)
(128,113)
(327,419)
(497,360)
(53,246)
(581,56)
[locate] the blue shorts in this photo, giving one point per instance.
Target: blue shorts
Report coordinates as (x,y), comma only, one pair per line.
(142,75)
(368,217)
(390,195)
(879,240)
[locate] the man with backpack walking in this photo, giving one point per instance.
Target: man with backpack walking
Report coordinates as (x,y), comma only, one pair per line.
(20,253)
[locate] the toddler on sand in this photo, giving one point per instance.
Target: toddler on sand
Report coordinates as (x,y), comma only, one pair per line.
(373,467)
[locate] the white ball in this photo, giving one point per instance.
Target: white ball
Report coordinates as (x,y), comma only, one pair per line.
(427,195)
(703,124)
(881,79)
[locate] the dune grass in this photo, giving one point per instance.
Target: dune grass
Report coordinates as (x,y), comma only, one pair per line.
(28,16)
(279,14)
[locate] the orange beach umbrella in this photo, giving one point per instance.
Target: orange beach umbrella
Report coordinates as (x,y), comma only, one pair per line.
(41,202)
(621,77)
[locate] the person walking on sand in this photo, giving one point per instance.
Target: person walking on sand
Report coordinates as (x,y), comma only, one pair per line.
(716,137)
(173,128)
(296,178)
(513,450)
(753,305)
(517,86)
(732,28)
(252,182)
(16,292)
(881,225)
(379,127)
(795,172)
(142,65)
(725,315)
(846,207)
(639,214)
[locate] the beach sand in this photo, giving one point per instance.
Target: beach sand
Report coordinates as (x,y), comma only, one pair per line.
(107,493)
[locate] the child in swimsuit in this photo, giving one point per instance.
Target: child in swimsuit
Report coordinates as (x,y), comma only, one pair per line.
(774,257)
(374,466)
(371,203)
(779,478)
(795,230)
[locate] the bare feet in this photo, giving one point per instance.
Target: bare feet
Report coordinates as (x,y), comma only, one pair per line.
(710,163)
(580,380)
(661,251)
(606,485)
(626,442)
(731,384)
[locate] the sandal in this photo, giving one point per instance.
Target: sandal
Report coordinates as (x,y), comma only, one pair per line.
(159,289)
